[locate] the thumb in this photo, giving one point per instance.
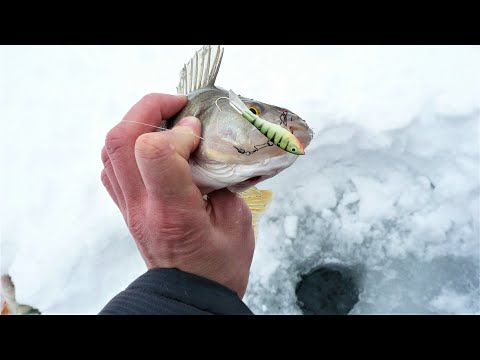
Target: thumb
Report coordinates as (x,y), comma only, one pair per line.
(162,159)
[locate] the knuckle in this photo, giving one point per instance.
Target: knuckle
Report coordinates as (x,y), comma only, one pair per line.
(136,229)
(104,178)
(114,141)
(151,98)
(135,222)
(105,157)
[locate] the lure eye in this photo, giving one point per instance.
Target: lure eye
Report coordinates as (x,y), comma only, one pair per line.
(255,110)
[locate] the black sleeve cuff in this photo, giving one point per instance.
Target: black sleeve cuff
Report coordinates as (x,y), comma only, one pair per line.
(175,292)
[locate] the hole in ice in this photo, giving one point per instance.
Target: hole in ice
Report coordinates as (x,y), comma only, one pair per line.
(327,290)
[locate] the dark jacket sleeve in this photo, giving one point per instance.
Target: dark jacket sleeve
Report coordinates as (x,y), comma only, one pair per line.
(175,292)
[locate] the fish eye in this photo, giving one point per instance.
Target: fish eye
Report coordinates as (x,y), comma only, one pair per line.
(255,110)
(293,149)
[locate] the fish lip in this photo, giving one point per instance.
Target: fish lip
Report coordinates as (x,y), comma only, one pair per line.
(301,148)
(252,181)
(244,185)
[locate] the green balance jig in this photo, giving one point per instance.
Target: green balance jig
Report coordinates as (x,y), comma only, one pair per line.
(277,134)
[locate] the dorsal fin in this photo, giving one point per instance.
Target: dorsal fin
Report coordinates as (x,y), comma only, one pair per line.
(257,200)
(201,71)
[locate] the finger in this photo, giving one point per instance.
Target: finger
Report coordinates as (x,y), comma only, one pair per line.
(108,186)
(162,158)
(109,180)
(120,141)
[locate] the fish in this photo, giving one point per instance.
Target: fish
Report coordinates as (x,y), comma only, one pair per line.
(243,141)
(8,302)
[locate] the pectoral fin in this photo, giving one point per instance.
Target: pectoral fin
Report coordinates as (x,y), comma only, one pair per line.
(258,201)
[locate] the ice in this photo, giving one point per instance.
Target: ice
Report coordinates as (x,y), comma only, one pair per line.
(404,222)
(451,302)
(290,225)
(389,187)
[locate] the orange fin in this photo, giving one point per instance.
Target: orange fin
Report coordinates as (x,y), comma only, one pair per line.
(257,201)
(5,310)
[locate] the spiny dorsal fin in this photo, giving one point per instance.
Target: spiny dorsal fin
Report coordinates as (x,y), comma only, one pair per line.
(201,71)
(257,201)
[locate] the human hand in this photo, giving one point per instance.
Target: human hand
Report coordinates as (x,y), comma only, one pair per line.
(148,176)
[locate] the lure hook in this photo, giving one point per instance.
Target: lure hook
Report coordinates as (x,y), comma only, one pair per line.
(220,98)
(230,102)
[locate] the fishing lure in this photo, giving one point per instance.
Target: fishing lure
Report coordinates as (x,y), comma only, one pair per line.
(276,134)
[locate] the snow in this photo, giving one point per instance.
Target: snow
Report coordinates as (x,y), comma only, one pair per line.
(389,187)
(451,303)
(403,220)
(290,225)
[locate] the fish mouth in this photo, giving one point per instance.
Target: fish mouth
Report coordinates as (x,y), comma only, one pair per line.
(244,185)
(250,182)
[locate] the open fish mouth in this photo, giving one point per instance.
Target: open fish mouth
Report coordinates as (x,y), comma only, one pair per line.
(241,186)
(251,182)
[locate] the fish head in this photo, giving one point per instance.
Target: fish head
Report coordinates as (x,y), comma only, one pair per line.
(284,117)
(234,154)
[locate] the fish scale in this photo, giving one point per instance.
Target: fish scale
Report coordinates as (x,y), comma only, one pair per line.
(236,150)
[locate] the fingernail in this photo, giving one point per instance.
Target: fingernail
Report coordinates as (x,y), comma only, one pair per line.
(189,121)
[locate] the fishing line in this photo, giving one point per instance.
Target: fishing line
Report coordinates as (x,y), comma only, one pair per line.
(240,150)
(179,132)
(165,129)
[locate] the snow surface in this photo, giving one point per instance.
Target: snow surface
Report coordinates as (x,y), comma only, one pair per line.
(389,187)
(290,225)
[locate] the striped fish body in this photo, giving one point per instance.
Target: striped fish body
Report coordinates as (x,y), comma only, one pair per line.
(234,152)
